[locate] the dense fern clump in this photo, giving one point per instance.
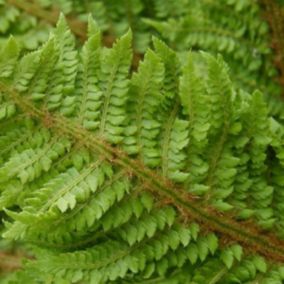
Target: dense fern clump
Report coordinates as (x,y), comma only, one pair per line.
(233,28)
(168,174)
(31,21)
(237,29)
(240,33)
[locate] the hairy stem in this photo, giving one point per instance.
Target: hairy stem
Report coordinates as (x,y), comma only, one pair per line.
(10,261)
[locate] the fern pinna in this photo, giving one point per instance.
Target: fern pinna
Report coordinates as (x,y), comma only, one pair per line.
(164,175)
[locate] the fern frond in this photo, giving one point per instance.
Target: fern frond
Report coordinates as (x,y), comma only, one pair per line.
(126,177)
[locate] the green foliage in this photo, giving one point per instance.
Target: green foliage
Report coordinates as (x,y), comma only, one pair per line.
(95,215)
(234,28)
(23,18)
